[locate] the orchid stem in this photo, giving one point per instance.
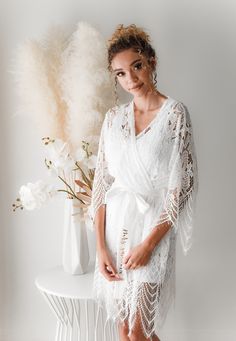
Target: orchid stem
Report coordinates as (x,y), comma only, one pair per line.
(83,174)
(73,195)
(72,192)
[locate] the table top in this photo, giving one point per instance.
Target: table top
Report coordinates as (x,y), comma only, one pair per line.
(56,281)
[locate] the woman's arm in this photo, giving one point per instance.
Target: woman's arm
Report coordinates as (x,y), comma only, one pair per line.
(100,228)
(106,265)
(140,255)
(156,235)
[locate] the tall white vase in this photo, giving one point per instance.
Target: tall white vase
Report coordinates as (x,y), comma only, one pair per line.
(75,255)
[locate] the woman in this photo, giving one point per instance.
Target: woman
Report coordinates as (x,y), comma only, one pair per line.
(144,192)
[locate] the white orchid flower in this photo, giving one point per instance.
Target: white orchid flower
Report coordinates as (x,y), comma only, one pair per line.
(59,154)
(33,195)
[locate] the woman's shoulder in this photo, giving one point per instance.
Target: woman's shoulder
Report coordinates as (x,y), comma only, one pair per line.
(179,116)
(115,113)
(178,108)
(176,104)
(118,108)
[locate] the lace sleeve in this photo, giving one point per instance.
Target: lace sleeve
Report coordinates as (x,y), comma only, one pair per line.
(180,201)
(102,179)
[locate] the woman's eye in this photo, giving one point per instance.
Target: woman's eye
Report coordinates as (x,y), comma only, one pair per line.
(138,66)
(119,73)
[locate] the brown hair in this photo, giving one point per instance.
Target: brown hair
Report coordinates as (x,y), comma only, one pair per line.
(133,37)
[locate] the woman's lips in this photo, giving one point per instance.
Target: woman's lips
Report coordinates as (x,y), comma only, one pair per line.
(138,87)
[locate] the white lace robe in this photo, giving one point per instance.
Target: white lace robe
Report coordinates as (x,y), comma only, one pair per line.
(144,180)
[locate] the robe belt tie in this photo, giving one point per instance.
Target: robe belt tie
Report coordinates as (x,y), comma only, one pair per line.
(131,208)
(133,199)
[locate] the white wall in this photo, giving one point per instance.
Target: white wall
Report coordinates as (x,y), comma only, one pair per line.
(195,41)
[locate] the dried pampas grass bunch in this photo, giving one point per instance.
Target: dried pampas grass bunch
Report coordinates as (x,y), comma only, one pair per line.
(64,84)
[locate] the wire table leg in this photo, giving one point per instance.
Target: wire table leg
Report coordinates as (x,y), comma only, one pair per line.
(80,320)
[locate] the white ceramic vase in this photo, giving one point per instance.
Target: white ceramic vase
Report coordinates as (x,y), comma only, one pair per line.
(75,257)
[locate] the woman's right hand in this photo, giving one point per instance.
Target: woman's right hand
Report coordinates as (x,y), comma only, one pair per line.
(106,266)
(85,195)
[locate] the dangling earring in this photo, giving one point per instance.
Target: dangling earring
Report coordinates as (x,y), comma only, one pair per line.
(115,92)
(152,77)
(155,79)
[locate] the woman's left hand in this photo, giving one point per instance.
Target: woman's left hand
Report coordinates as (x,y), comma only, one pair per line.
(138,256)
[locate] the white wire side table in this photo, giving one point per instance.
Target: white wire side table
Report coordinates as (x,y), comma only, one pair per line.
(78,316)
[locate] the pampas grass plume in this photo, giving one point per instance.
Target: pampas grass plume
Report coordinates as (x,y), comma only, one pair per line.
(86,83)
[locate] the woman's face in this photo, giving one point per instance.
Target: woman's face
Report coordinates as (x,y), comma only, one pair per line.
(132,72)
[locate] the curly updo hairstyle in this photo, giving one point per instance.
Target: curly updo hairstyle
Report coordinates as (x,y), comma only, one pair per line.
(136,38)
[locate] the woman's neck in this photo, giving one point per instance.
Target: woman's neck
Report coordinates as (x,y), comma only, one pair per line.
(149,102)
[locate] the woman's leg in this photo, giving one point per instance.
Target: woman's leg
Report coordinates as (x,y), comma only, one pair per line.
(123,331)
(148,298)
(137,333)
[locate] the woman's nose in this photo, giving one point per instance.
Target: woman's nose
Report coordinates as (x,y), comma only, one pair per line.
(132,78)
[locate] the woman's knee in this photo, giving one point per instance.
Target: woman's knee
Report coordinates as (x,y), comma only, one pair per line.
(123,327)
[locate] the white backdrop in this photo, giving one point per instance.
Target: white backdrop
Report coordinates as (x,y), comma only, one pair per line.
(195,43)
